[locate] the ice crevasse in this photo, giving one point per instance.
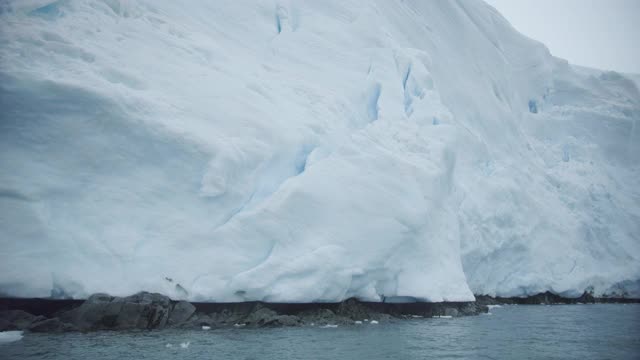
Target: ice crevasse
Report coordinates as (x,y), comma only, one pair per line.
(308,151)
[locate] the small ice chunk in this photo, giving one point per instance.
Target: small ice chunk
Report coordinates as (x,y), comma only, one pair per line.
(239,325)
(10,336)
(416,316)
(494,306)
(366,319)
(358,322)
(169,345)
(185,344)
(205,327)
(442,317)
(328,326)
(374,322)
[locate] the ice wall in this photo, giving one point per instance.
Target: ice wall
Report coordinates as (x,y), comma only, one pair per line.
(307,151)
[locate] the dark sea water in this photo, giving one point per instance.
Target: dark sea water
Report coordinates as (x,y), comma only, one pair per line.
(510,332)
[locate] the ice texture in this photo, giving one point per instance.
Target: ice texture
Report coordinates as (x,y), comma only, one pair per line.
(307,151)
(10,336)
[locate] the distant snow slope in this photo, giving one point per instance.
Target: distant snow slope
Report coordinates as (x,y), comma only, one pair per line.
(307,151)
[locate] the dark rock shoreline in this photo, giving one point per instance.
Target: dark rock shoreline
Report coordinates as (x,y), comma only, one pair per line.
(147,311)
(549,298)
(155,311)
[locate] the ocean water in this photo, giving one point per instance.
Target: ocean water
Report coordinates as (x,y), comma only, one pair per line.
(509,332)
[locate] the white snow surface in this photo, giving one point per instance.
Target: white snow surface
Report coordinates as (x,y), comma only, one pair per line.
(307,151)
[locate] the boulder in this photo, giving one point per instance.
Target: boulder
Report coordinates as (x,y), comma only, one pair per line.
(181,312)
(104,312)
(262,316)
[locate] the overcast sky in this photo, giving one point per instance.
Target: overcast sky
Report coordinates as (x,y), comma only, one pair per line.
(604,34)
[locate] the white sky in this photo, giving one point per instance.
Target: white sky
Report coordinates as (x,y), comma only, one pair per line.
(604,34)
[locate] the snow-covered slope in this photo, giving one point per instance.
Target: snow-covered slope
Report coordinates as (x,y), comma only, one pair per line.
(307,151)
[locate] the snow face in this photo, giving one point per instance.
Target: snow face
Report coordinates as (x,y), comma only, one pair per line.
(307,151)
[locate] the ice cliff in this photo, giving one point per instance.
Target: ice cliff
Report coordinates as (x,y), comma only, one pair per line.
(308,151)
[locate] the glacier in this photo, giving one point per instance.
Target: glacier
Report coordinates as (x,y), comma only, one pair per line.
(308,151)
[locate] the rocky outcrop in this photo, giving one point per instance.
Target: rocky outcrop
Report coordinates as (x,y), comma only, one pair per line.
(155,311)
(262,316)
(17,320)
(104,312)
(471,308)
(547,298)
(354,310)
(181,312)
(22,320)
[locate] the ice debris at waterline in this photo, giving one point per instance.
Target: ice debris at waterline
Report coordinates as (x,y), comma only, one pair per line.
(10,336)
(308,151)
